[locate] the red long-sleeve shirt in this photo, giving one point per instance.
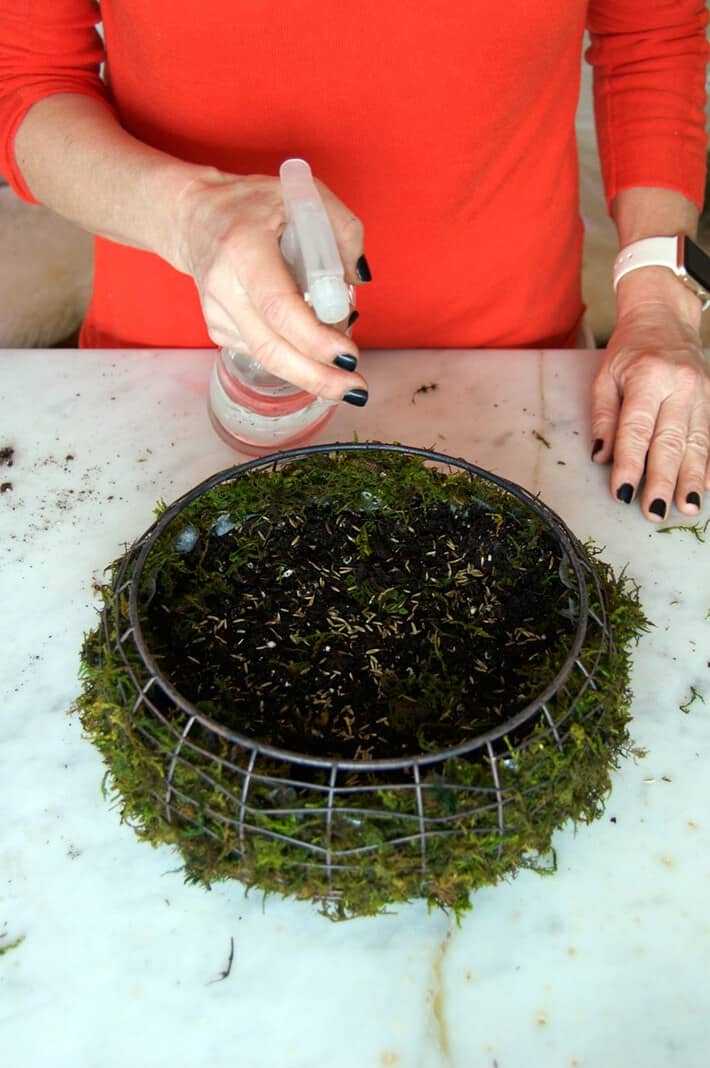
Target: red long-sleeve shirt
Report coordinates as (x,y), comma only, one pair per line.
(448,128)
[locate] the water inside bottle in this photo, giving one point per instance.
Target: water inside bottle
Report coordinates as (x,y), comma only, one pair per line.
(255,412)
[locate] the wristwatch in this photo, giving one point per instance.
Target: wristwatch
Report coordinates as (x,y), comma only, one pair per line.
(679,253)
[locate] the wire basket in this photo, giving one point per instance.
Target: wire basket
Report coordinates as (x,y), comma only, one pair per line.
(356,834)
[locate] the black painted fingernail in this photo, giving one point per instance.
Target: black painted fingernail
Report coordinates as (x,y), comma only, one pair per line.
(345,361)
(358,397)
(362,270)
(658,508)
(693,498)
(354,316)
(597,447)
(625,493)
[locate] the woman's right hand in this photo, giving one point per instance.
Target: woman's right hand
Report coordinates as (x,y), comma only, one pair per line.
(221,229)
(227,238)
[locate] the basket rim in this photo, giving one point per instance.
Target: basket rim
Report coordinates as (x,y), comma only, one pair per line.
(571,547)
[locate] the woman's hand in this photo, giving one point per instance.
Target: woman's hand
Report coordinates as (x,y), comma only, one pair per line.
(651,397)
(227,237)
(221,229)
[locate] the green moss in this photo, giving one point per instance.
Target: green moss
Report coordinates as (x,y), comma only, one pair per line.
(695,695)
(367,838)
(10,945)
(695,529)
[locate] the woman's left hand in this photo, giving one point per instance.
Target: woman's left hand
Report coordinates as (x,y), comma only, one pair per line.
(651,402)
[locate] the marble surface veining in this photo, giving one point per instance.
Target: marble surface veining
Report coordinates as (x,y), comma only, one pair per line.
(605,964)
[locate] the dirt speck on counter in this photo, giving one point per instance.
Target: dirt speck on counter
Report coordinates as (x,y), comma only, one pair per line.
(424,389)
(7,456)
(541,438)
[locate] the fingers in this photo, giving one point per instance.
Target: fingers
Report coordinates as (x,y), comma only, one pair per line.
(663,444)
(253,301)
(634,432)
(606,403)
(651,406)
(665,458)
(695,468)
(283,359)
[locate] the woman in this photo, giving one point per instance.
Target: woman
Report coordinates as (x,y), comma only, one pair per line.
(448,128)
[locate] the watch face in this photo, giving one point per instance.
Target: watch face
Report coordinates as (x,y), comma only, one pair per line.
(696,263)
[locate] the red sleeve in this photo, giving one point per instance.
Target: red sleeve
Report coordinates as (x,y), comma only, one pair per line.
(649,59)
(46,47)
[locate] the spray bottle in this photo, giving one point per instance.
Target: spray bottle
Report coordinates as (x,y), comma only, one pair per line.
(252,410)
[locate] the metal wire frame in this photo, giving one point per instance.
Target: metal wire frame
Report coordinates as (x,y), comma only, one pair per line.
(317,789)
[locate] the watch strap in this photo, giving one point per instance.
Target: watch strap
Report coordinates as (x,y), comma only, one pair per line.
(648,252)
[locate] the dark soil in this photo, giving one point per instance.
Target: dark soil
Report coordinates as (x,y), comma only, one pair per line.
(423,390)
(355,635)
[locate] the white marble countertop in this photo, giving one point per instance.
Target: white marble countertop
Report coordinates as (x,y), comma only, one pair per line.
(605,964)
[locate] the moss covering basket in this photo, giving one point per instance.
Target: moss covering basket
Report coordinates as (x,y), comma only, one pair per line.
(360,674)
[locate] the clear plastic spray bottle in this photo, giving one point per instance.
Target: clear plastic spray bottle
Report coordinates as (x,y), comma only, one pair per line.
(252,410)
